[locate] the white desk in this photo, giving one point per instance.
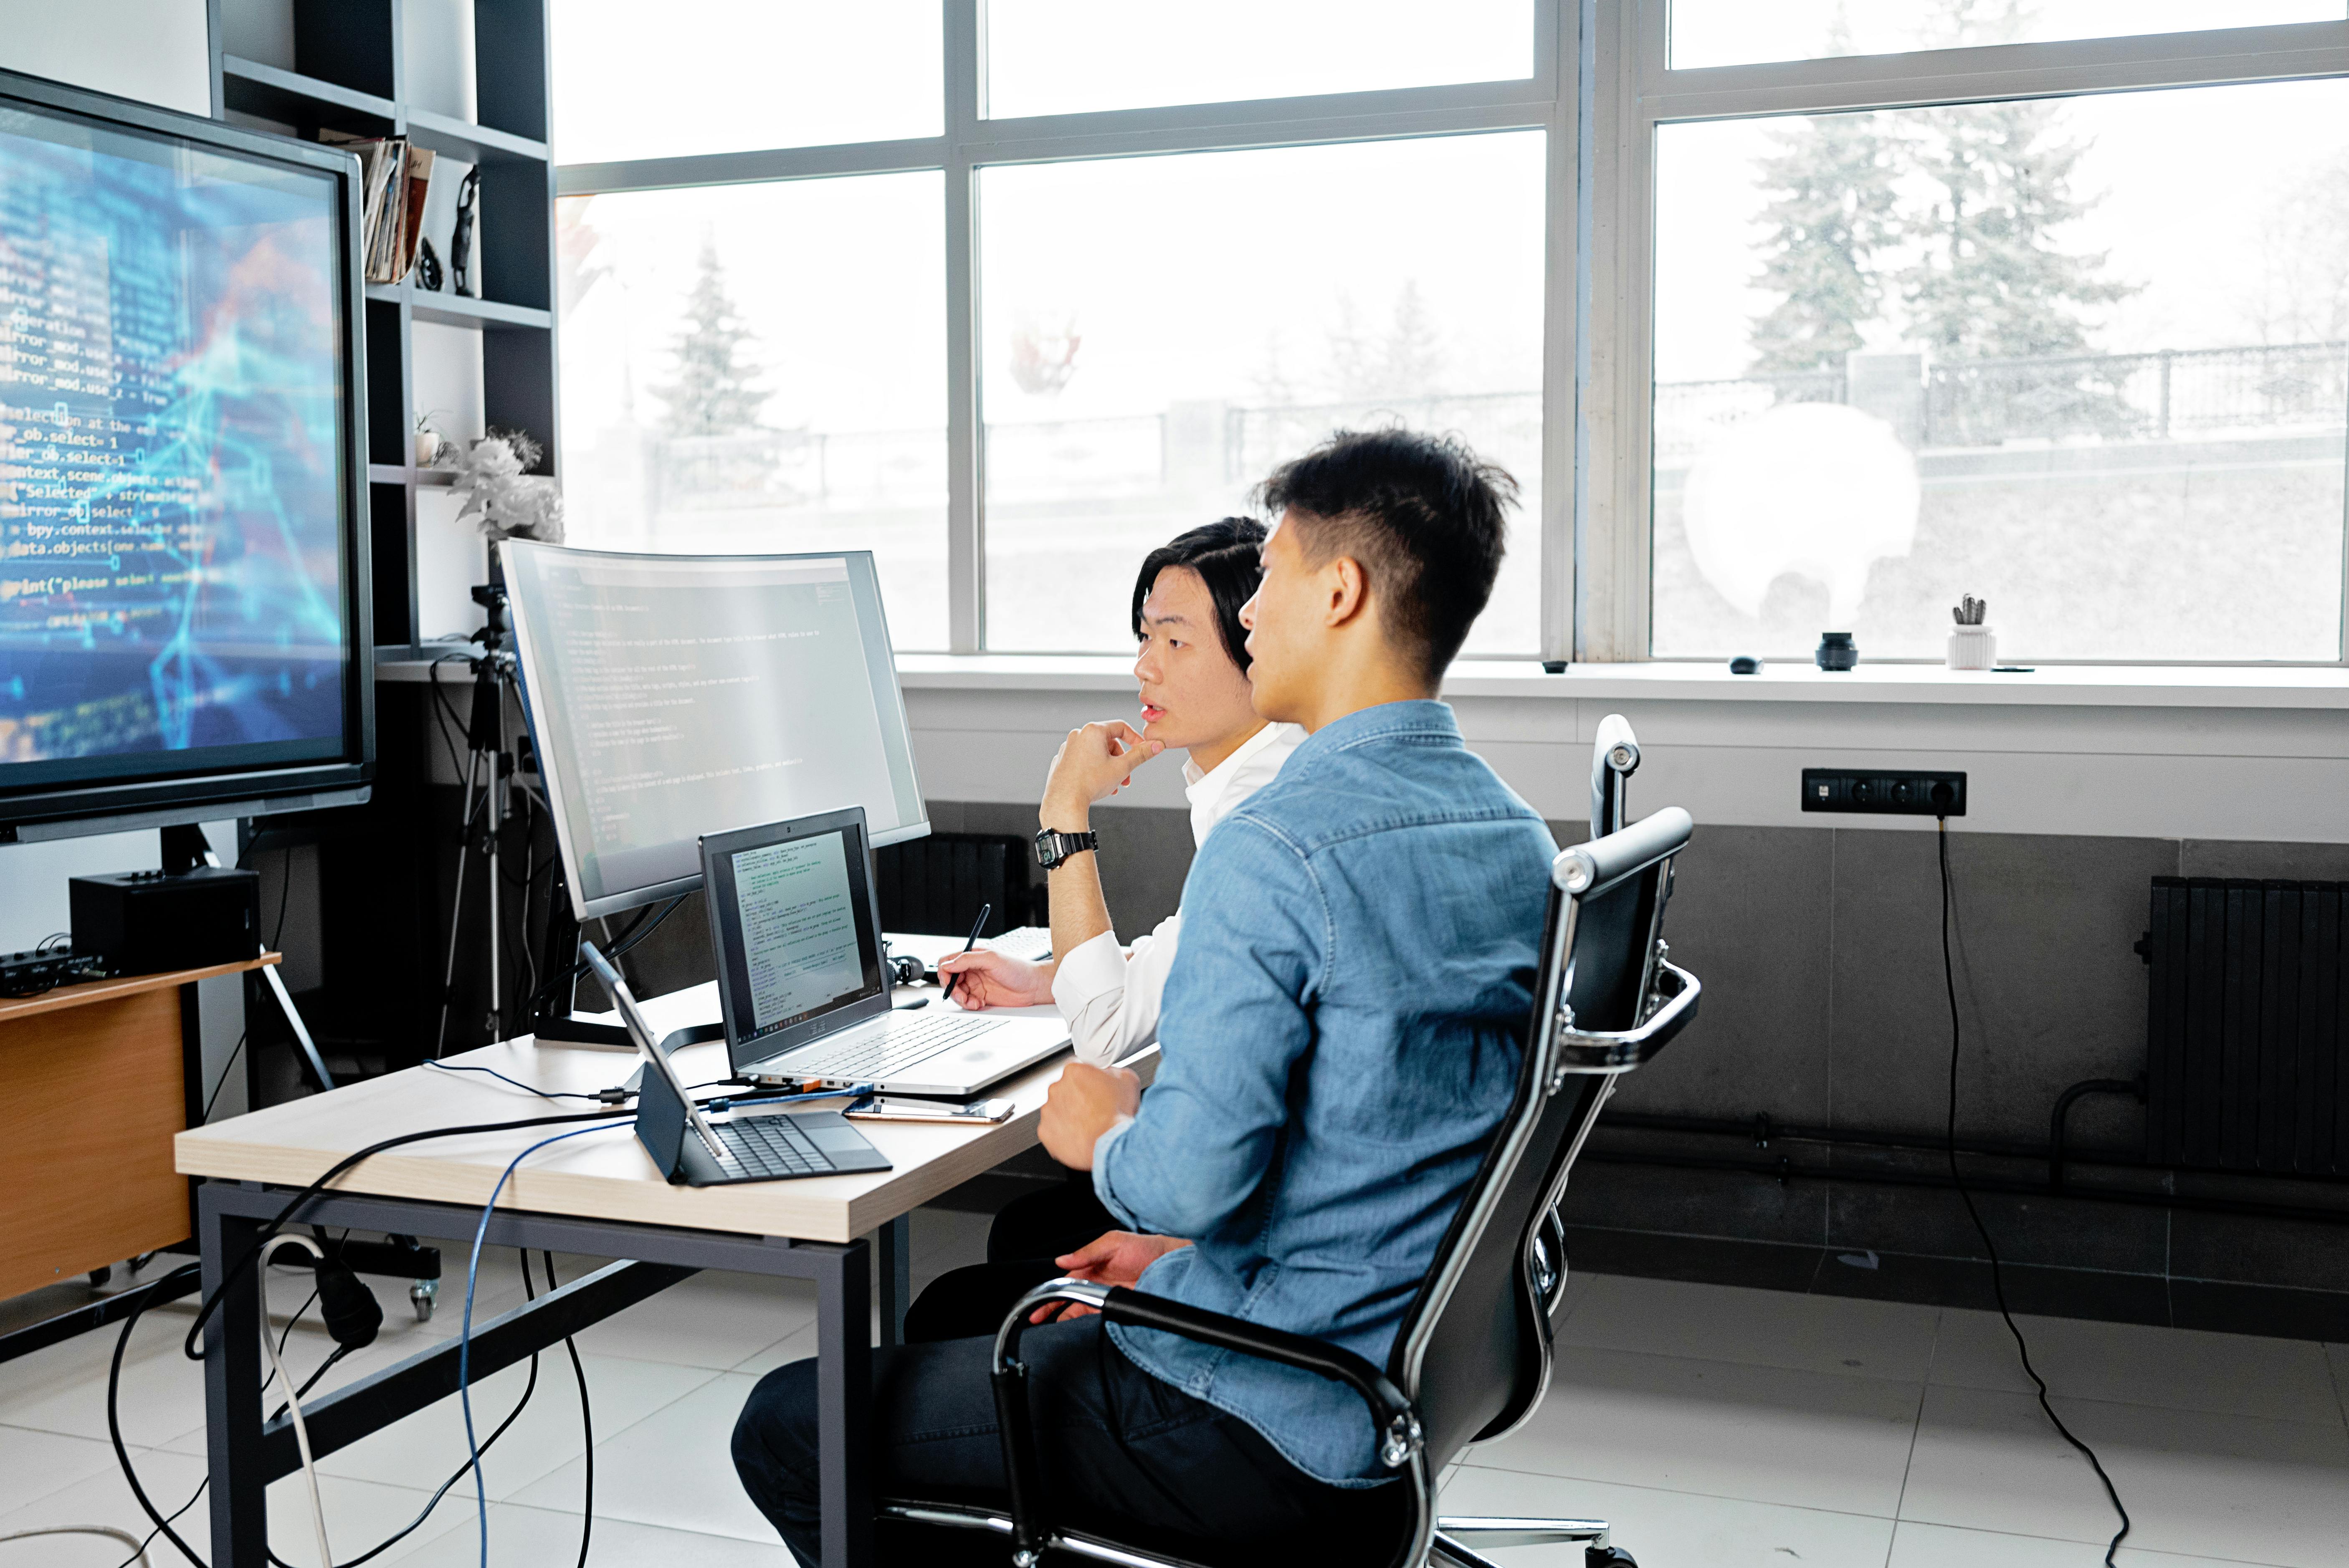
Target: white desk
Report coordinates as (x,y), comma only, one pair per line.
(599,1194)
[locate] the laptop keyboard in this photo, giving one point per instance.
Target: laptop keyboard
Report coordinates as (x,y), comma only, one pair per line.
(773,1146)
(889,1053)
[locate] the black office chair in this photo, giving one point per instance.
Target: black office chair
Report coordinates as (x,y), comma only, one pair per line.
(1472,1357)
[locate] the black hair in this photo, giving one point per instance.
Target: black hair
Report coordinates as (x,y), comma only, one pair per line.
(1421,514)
(1228,556)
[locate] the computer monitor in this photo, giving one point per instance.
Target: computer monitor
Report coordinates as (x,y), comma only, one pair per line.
(183,548)
(671,697)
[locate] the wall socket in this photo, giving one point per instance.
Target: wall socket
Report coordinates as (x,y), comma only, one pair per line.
(1879,793)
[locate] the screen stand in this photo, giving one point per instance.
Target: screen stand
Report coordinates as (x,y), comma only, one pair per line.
(184,849)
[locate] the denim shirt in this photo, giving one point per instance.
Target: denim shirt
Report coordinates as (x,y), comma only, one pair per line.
(1340,1036)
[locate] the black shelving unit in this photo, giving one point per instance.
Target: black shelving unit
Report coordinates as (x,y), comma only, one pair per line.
(350,75)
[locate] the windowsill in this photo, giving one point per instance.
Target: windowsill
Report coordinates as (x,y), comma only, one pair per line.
(2072,685)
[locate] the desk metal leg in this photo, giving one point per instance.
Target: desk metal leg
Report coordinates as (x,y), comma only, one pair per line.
(844,1383)
(233,1390)
(893,1247)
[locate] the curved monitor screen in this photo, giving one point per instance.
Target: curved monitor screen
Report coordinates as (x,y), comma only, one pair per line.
(173,479)
(675,695)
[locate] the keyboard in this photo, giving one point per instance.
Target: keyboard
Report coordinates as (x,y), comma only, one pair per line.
(1033,942)
(771,1146)
(889,1052)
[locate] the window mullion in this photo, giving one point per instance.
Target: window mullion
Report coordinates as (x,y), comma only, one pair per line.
(965,443)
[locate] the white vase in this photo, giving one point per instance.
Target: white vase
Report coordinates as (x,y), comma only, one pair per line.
(1973,647)
(428,448)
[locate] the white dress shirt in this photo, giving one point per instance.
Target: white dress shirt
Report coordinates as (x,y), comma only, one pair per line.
(1111,1000)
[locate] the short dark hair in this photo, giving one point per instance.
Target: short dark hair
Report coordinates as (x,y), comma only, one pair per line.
(1422,515)
(1228,556)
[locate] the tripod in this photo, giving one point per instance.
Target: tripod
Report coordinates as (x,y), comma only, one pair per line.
(488,788)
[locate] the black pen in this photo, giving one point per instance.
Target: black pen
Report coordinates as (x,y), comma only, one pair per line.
(984,911)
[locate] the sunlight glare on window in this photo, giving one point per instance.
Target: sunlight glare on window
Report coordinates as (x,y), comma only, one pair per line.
(1159,332)
(639,81)
(1740,31)
(1069,56)
(755,369)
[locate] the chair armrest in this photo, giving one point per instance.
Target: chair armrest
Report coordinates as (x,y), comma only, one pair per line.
(1398,1423)
(1619,1050)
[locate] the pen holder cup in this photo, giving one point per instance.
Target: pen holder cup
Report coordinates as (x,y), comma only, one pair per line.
(1973,647)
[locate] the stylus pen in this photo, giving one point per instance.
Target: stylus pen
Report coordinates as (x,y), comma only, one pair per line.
(984,911)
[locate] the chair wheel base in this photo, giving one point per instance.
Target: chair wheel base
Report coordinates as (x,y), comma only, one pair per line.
(1608,1557)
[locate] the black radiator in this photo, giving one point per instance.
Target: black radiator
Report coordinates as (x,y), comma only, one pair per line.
(2245,1031)
(937,884)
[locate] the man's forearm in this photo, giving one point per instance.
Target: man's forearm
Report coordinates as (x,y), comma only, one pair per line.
(1079,912)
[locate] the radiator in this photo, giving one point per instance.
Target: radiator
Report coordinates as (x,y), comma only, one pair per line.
(2245,1030)
(935,884)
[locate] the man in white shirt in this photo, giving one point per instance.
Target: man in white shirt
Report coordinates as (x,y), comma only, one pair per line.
(1192,669)
(1193,673)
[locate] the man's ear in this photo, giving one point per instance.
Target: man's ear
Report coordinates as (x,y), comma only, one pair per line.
(1348,587)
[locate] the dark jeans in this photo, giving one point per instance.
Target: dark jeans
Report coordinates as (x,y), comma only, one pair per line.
(1027,1235)
(1122,1454)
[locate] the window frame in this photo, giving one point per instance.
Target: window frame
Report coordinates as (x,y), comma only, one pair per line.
(1627,92)
(1543,101)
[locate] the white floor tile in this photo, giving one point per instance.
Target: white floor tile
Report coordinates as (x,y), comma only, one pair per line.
(537,1538)
(1916,1545)
(2133,1364)
(35,1464)
(423,1451)
(792,1348)
(102,1497)
(2196,1483)
(714,1320)
(359,1515)
(672,1469)
(1760,1433)
(1668,1529)
(1833,1334)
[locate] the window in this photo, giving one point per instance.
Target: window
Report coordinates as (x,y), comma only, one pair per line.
(1065,56)
(2086,358)
(1159,333)
(761,368)
(1740,31)
(1014,355)
(637,81)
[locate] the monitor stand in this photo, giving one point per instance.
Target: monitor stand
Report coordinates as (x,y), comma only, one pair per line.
(184,849)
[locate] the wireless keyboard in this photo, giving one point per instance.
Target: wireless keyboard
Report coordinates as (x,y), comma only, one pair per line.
(889,1052)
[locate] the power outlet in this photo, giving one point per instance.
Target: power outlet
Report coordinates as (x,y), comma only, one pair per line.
(1875,792)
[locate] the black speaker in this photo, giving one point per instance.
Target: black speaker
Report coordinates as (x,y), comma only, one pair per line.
(144,923)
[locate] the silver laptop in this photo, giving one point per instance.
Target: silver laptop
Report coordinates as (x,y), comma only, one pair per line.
(801,980)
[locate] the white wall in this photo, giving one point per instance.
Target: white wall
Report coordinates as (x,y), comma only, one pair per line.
(158,51)
(2119,753)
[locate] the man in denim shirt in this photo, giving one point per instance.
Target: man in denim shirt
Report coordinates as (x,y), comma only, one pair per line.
(1337,1045)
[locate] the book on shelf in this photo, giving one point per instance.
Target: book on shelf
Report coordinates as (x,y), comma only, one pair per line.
(395,176)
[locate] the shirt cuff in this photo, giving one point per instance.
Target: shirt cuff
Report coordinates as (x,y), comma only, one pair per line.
(1091,970)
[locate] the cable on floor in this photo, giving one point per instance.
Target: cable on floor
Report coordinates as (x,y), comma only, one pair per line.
(1997,1275)
(138,1547)
(586,1423)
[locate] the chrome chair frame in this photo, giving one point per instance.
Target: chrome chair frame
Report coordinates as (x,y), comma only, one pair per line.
(1635,860)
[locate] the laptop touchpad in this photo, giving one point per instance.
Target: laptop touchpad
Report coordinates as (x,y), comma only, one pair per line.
(837,1139)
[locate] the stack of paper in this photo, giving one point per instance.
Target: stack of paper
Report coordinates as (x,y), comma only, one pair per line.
(395,176)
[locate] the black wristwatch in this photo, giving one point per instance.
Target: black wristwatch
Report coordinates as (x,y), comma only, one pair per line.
(1052,847)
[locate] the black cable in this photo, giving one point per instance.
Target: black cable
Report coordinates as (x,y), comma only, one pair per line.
(586,1425)
(1997,1275)
(284,897)
(541,1093)
(114,1418)
(141,1553)
(236,1270)
(210,1098)
(529,1387)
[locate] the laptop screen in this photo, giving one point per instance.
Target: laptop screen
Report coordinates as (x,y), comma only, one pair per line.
(794,925)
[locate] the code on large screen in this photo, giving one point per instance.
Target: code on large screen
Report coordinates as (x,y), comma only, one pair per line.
(171,474)
(674,697)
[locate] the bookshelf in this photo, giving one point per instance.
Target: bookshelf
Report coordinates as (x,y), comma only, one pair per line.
(351,73)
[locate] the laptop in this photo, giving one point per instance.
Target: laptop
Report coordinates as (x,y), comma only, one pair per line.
(801,980)
(768,1147)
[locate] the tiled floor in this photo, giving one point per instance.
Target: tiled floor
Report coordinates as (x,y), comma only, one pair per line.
(1715,1427)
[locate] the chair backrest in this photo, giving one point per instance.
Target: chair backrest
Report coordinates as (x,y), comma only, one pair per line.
(1473,1351)
(1614,757)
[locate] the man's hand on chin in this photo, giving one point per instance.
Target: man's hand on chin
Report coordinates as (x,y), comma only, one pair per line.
(1085,1103)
